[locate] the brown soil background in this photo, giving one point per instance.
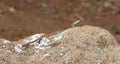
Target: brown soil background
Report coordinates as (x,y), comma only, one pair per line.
(21,18)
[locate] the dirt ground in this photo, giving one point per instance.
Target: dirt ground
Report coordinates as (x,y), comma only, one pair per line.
(21,18)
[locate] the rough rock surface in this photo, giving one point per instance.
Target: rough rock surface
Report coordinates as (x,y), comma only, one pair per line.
(78,45)
(90,34)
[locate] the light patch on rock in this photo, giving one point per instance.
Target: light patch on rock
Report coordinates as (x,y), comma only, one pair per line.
(46,55)
(8,51)
(18,48)
(44,41)
(58,36)
(32,38)
(4,46)
(39,46)
(4,41)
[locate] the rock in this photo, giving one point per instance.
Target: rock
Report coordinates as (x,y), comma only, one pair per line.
(90,34)
(76,54)
(85,45)
(77,45)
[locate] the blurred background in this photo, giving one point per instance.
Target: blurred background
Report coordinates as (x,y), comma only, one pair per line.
(22,18)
